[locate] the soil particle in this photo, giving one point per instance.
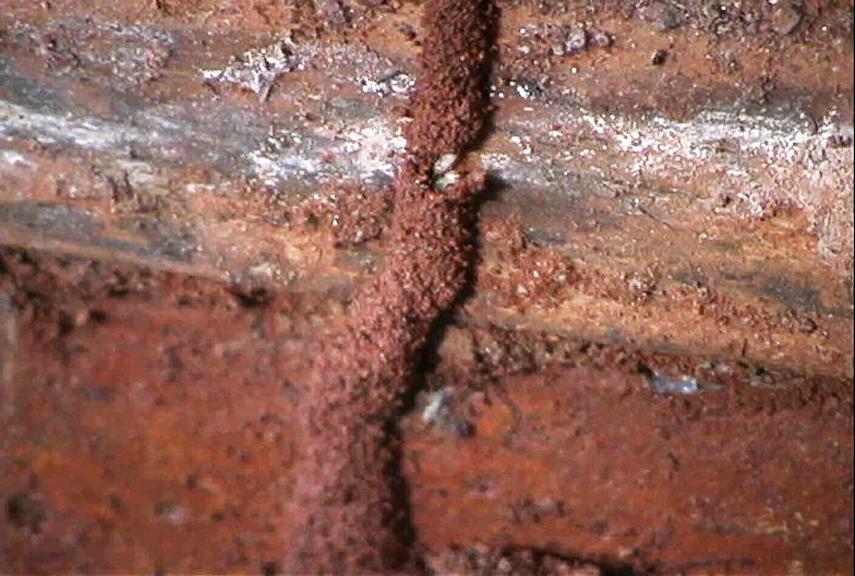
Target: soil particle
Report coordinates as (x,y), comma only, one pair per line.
(529,274)
(257,70)
(786,17)
(577,40)
(25,511)
(350,216)
(332,12)
(481,561)
(351,513)
(663,16)
(269,568)
(443,409)
(601,39)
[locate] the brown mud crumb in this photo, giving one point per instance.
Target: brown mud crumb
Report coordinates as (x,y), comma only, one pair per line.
(351,514)
(481,561)
(525,274)
(350,217)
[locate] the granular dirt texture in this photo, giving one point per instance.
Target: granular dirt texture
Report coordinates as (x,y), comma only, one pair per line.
(481,561)
(450,104)
(351,501)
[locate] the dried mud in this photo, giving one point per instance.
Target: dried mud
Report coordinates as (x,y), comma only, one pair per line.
(351,515)
(653,371)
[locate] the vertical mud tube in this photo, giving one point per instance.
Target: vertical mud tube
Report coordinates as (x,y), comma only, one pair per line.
(351,498)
